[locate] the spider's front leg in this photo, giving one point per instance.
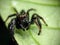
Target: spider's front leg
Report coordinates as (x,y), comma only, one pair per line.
(35,19)
(10,16)
(37,22)
(11,32)
(32,9)
(11,26)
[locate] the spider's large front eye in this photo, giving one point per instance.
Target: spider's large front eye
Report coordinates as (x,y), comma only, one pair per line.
(22,12)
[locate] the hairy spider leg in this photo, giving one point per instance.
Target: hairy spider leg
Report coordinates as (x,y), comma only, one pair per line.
(29,11)
(35,19)
(15,10)
(10,16)
(41,19)
(11,26)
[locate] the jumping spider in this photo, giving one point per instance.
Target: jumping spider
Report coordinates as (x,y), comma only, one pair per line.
(22,20)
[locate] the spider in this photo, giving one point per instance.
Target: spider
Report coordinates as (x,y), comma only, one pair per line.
(21,21)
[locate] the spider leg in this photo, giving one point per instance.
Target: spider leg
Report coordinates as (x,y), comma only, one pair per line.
(29,11)
(11,26)
(13,14)
(36,20)
(22,27)
(41,19)
(15,10)
(11,30)
(26,26)
(9,17)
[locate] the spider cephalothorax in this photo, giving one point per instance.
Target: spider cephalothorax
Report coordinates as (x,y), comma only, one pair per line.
(22,20)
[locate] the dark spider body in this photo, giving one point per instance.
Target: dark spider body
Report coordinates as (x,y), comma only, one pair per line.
(22,20)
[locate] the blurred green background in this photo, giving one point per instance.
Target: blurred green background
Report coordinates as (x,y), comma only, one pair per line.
(48,9)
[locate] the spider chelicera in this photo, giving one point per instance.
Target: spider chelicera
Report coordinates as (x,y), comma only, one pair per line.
(22,20)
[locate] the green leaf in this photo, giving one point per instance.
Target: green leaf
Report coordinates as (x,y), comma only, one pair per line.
(48,9)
